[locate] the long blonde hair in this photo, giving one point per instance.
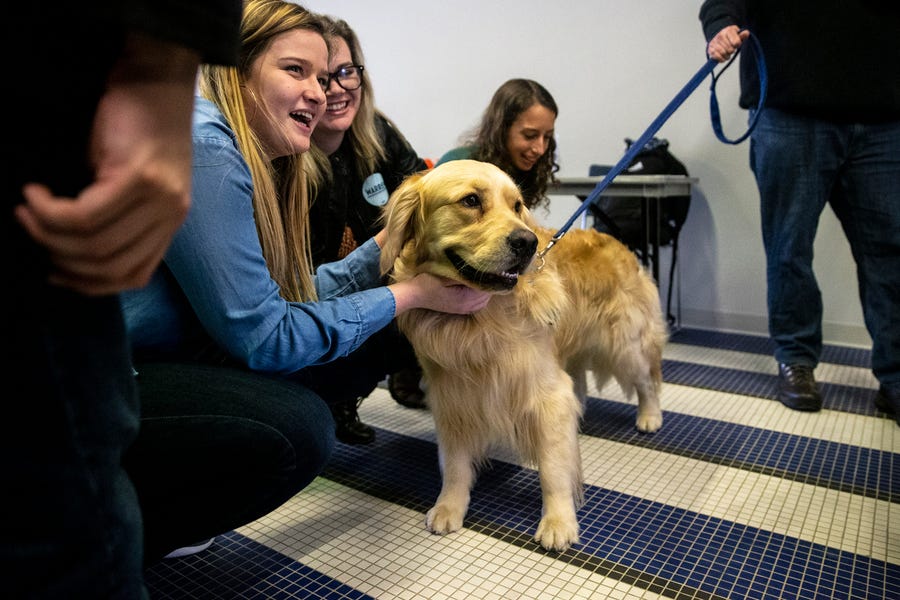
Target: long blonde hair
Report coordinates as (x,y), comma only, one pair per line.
(280,195)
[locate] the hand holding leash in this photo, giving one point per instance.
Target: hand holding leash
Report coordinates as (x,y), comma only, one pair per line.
(722,48)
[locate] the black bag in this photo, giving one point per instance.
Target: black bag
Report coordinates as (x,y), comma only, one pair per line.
(621,216)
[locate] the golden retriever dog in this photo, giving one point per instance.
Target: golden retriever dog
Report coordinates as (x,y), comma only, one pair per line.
(515,373)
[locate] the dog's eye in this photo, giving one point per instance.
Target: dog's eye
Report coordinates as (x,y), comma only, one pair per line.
(518,206)
(471,201)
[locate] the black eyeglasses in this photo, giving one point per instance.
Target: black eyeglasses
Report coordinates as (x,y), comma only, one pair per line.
(349,77)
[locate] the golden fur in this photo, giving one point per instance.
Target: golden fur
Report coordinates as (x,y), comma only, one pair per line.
(515,372)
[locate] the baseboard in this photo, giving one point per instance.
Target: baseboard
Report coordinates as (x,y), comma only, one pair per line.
(833,333)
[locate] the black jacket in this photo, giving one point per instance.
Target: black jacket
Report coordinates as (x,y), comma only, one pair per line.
(837,60)
(343,203)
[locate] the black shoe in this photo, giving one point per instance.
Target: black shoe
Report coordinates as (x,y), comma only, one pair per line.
(349,429)
(888,400)
(404,388)
(797,388)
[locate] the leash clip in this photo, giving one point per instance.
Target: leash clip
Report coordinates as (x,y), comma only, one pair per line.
(550,244)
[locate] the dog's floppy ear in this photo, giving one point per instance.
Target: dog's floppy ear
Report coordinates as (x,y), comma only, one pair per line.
(400,218)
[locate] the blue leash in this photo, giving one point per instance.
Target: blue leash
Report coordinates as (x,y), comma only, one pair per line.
(763,86)
(686,91)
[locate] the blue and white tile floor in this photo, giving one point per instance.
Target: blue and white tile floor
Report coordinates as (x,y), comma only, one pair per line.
(736,497)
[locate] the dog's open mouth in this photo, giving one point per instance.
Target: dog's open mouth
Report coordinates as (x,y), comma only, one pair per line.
(504,280)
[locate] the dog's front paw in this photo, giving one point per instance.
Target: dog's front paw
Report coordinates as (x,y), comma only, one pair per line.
(443,518)
(554,533)
(649,422)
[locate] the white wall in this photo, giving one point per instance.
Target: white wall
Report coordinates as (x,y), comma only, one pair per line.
(612,67)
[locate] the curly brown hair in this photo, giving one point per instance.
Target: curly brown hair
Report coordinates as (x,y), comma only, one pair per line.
(509,101)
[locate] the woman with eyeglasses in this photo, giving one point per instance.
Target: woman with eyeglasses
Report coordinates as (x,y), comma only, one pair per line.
(222,334)
(363,158)
(516,133)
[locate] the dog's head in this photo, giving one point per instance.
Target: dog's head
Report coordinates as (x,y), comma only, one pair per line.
(464,220)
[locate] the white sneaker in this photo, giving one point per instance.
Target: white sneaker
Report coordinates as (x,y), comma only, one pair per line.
(192,549)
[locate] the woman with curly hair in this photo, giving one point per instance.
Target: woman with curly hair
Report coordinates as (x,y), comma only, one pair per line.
(516,134)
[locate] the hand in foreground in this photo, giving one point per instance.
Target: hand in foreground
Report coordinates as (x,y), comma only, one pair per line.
(113,235)
(726,43)
(436,293)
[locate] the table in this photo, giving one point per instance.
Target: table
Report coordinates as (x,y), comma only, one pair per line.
(651,189)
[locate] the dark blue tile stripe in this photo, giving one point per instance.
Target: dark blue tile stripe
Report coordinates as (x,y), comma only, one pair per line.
(862,471)
(722,341)
(839,355)
(722,557)
(636,540)
(837,397)
(685,548)
(669,551)
(238,567)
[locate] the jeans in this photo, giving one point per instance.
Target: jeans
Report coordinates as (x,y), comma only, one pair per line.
(220,447)
(71,526)
(800,164)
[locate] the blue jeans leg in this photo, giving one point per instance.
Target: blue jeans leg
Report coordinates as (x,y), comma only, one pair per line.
(71,524)
(794,175)
(801,164)
(867,203)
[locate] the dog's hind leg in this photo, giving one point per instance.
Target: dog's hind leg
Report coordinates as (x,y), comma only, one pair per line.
(639,369)
(577,369)
(648,383)
(649,415)
(458,469)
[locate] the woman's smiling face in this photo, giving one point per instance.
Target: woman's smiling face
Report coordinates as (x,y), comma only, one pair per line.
(529,136)
(342,104)
(284,92)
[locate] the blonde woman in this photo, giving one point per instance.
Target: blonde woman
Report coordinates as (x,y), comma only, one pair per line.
(223,333)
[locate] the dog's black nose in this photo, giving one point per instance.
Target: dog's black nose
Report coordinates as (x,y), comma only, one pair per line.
(523,242)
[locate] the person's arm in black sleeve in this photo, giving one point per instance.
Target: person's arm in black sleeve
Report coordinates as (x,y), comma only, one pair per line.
(210,27)
(715,15)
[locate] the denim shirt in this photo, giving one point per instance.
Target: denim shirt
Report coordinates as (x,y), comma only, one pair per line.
(213,291)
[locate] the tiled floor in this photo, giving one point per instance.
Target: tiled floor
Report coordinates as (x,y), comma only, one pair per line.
(736,497)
